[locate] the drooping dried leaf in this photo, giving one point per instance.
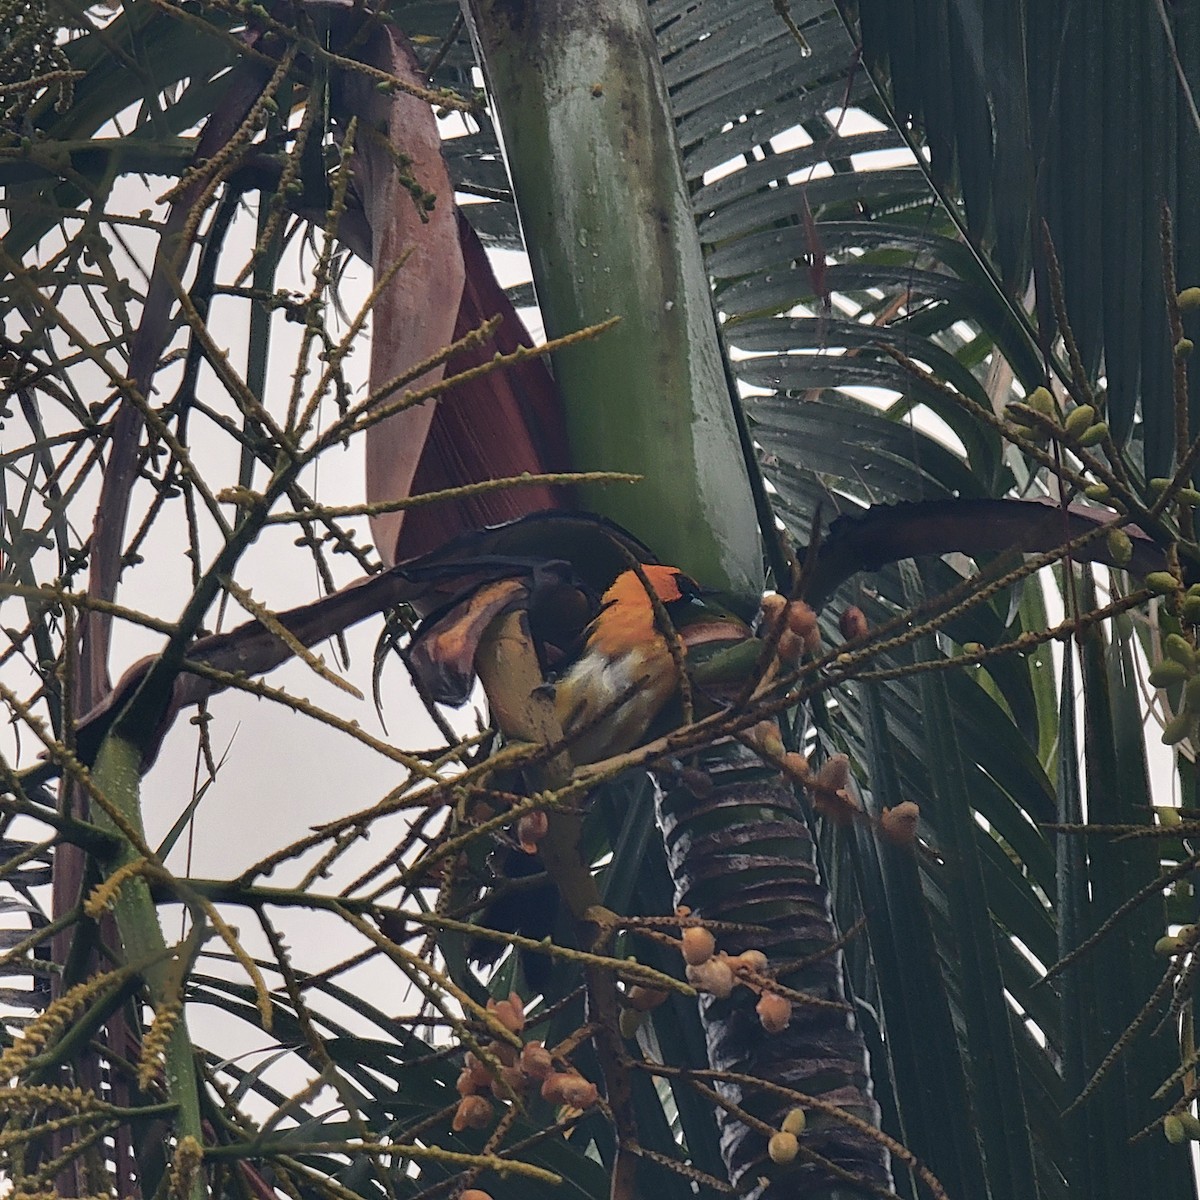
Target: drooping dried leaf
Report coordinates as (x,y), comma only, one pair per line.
(416,313)
(494,427)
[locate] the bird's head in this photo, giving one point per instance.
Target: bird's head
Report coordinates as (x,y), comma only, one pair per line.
(669,583)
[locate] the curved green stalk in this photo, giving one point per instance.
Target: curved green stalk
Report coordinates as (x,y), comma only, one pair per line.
(117,777)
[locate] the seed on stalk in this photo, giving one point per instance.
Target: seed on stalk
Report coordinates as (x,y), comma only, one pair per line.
(1168,673)
(698,945)
(774,1012)
(714,977)
(853,623)
(899,824)
(535,1060)
(473,1112)
(643,999)
(783,1147)
(1162,582)
(1041,401)
(1180,649)
(794,1122)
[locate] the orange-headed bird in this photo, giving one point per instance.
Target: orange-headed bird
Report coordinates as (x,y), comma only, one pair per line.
(607,701)
(626,674)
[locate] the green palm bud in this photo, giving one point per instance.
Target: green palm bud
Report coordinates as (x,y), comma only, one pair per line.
(1177,728)
(1041,400)
(1079,419)
(1191,1126)
(1168,673)
(1093,435)
(1180,649)
(1120,546)
(1162,582)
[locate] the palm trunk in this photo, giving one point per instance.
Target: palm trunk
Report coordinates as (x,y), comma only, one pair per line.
(591,149)
(743,853)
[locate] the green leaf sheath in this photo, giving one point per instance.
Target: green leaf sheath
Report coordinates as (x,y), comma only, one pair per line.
(591,149)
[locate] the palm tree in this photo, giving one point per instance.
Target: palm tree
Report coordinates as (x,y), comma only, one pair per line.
(785,205)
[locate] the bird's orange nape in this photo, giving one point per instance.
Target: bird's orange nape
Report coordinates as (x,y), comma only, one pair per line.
(628,586)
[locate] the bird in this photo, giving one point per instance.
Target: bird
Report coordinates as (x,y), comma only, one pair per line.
(606,701)
(614,693)
(610,696)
